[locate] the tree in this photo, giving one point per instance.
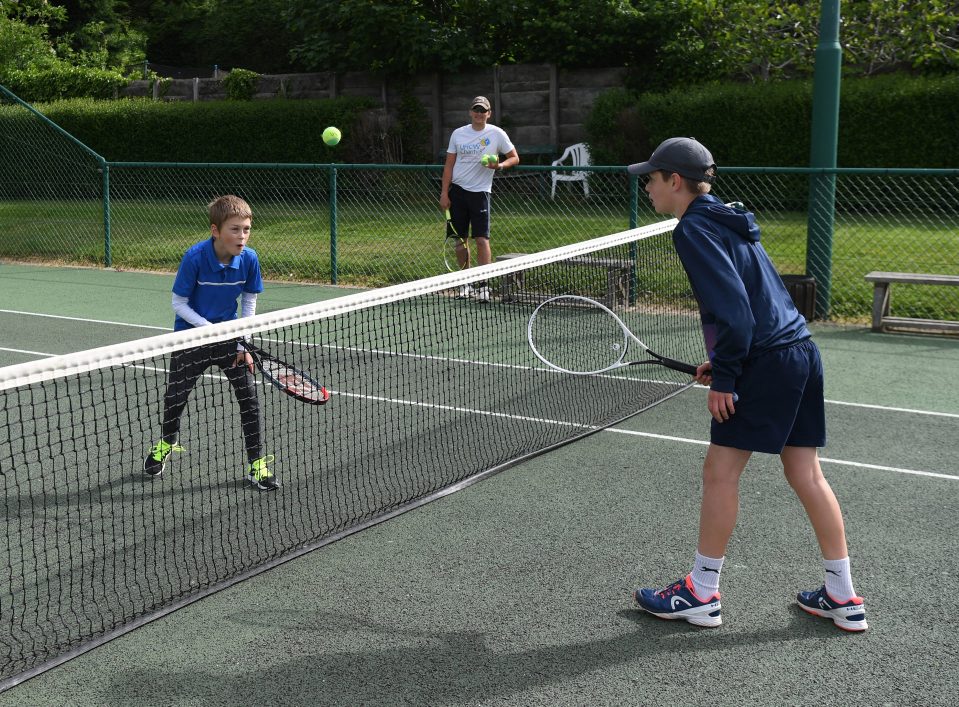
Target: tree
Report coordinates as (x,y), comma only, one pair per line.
(744,39)
(24,34)
(98,34)
(408,36)
(391,36)
(880,35)
(584,33)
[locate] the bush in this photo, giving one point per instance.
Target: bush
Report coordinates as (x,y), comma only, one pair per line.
(61,81)
(142,130)
(900,121)
(616,133)
(887,121)
(240,84)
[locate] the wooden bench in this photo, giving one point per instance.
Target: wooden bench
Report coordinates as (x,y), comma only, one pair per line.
(619,278)
(881,320)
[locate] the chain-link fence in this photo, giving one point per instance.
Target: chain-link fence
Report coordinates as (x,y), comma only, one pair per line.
(373,225)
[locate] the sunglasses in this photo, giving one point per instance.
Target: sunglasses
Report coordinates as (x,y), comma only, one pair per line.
(479,109)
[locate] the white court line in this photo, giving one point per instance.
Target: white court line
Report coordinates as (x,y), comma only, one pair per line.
(893,409)
(394,353)
(489,413)
(81,319)
(840,462)
(869,406)
(25,351)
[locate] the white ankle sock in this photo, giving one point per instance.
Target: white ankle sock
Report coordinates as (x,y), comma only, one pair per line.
(839,579)
(705,575)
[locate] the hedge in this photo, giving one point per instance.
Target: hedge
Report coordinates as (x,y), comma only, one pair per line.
(142,130)
(61,81)
(885,121)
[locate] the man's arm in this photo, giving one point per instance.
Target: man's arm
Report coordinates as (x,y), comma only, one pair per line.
(447,178)
(512,159)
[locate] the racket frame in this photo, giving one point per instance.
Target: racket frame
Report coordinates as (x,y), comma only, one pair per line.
(259,355)
(451,244)
(628,335)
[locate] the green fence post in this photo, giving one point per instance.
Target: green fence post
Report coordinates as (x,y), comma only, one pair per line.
(633,223)
(333,263)
(107,250)
(825,137)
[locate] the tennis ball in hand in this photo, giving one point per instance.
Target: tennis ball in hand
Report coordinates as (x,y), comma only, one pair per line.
(488,160)
(331,136)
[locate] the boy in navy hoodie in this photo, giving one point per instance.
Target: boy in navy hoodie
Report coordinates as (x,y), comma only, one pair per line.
(765,384)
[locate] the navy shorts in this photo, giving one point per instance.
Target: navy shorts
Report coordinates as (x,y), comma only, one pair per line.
(469,211)
(780,402)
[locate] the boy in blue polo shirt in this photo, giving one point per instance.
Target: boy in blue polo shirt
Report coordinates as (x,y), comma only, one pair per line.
(765,383)
(212,275)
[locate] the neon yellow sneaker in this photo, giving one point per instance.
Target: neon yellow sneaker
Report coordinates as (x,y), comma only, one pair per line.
(260,475)
(156,459)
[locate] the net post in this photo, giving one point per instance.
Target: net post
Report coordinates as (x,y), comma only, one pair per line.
(333,263)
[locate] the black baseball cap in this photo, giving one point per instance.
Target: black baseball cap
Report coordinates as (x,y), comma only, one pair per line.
(683,155)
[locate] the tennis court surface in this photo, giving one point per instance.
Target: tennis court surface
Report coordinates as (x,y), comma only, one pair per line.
(511,591)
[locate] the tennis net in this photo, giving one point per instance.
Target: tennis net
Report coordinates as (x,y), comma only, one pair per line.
(91,547)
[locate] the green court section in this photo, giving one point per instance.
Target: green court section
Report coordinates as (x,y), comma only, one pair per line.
(515,591)
(77,295)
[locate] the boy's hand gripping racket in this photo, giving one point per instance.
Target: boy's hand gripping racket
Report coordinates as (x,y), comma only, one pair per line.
(451,245)
(578,335)
(290,380)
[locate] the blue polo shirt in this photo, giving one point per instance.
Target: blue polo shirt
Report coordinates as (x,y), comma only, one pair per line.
(212,287)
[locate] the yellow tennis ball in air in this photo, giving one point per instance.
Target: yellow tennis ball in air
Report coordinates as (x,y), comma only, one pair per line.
(487,160)
(331,136)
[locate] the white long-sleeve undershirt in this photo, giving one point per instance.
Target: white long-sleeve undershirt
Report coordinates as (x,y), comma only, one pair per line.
(182,308)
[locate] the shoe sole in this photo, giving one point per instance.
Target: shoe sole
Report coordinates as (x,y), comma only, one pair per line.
(850,626)
(256,484)
(704,621)
(153,475)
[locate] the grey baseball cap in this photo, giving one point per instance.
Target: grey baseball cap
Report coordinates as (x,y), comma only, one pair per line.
(481,101)
(683,155)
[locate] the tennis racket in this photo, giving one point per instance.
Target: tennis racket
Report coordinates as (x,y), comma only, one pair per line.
(290,380)
(451,245)
(578,335)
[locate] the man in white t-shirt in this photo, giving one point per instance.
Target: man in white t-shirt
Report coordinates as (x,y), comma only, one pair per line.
(467,183)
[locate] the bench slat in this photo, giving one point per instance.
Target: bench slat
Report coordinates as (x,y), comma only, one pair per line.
(882,296)
(913,278)
(922,324)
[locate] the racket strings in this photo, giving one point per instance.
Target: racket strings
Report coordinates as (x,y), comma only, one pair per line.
(577,337)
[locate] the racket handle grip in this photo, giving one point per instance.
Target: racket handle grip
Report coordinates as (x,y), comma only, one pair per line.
(678,365)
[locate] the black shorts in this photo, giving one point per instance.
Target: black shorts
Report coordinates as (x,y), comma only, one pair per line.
(469,211)
(780,402)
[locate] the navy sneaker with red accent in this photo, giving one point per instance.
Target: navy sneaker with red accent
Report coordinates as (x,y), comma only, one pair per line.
(849,616)
(679,601)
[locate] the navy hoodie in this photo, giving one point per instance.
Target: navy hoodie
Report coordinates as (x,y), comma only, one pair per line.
(743,304)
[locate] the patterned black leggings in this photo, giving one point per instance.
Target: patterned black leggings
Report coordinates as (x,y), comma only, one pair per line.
(187,366)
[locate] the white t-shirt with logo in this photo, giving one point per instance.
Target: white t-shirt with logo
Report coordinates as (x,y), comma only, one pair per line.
(469,146)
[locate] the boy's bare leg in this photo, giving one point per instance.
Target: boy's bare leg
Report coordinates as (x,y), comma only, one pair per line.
(720,506)
(801,466)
